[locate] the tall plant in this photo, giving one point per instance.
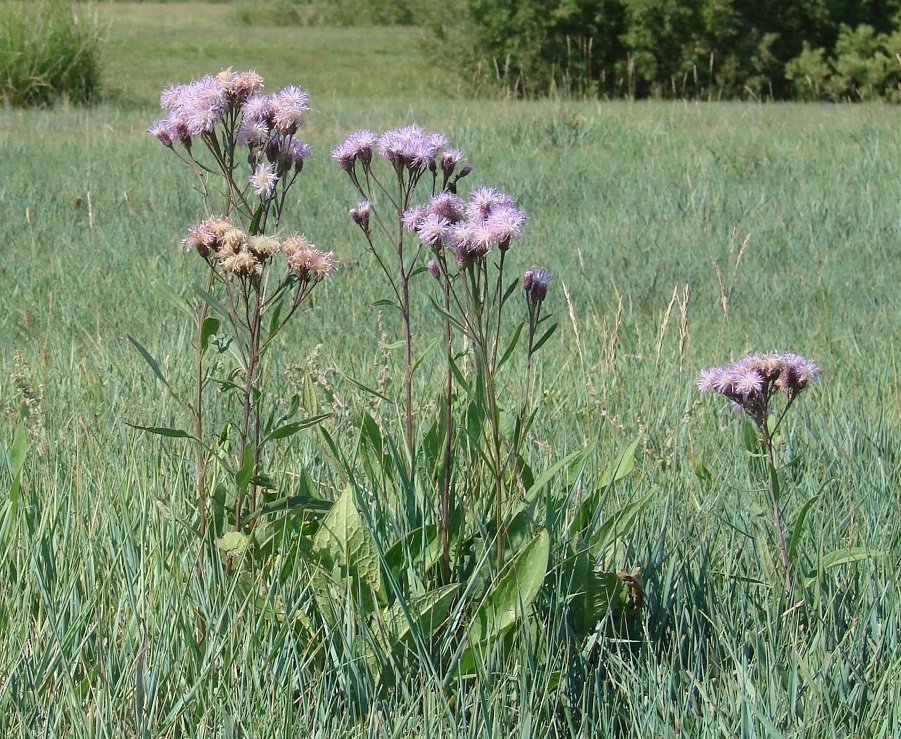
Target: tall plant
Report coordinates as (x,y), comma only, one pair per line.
(243,148)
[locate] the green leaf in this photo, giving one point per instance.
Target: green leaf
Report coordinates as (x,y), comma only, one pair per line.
(799,526)
(154,365)
(163,431)
(343,542)
(512,593)
(209,328)
(18,451)
(602,543)
(289,429)
(233,543)
(214,304)
(423,614)
(244,475)
(842,557)
(541,342)
(546,476)
(621,467)
(310,404)
(511,346)
(366,389)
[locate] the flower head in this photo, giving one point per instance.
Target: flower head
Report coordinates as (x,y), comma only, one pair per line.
(311,265)
(288,108)
(535,283)
(433,230)
(506,224)
(360,214)
(257,108)
(751,382)
(447,206)
(410,147)
(263,180)
(357,147)
(450,158)
(239,86)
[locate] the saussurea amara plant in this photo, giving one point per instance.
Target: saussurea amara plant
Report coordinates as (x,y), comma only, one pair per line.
(752,384)
(414,157)
(243,147)
(469,241)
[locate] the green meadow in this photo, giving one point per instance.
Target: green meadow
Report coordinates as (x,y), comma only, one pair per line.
(680,235)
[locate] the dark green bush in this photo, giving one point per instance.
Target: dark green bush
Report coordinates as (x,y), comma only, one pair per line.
(49,51)
(708,49)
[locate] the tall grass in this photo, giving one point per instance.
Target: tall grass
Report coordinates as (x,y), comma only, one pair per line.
(781,221)
(49,51)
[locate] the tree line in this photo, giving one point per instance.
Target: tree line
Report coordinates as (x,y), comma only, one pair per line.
(699,49)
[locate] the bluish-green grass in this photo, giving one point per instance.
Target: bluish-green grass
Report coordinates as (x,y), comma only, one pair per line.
(683,235)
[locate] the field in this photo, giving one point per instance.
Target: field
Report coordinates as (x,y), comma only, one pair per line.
(681,236)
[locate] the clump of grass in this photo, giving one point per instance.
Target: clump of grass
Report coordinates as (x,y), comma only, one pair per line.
(49,51)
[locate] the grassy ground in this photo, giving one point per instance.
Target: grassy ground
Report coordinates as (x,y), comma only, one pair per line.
(773,227)
(152,45)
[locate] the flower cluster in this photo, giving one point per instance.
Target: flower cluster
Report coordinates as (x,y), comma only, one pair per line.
(470,229)
(239,254)
(751,382)
(264,124)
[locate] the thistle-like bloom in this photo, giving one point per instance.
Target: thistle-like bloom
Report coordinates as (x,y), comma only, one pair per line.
(357,147)
(413,218)
(263,180)
(506,224)
(360,214)
(447,205)
(483,200)
(450,158)
(239,86)
(161,131)
(535,283)
(311,265)
(410,147)
(751,382)
(252,133)
(293,242)
(263,247)
(257,108)
(433,230)
(288,108)
(198,105)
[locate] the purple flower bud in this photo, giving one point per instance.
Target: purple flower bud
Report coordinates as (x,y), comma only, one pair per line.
(535,282)
(465,171)
(450,158)
(434,269)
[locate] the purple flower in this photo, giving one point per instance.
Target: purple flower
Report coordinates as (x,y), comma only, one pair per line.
(434,269)
(202,105)
(252,133)
(433,230)
(413,217)
(450,158)
(535,283)
(257,108)
(447,206)
(239,86)
(358,146)
(483,200)
(161,131)
(288,108)
(360,214)
(506,224)
(751,382)
(263,180)
(410,147)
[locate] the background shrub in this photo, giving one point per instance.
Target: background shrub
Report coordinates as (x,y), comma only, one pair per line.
(49,50)
(707,49)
